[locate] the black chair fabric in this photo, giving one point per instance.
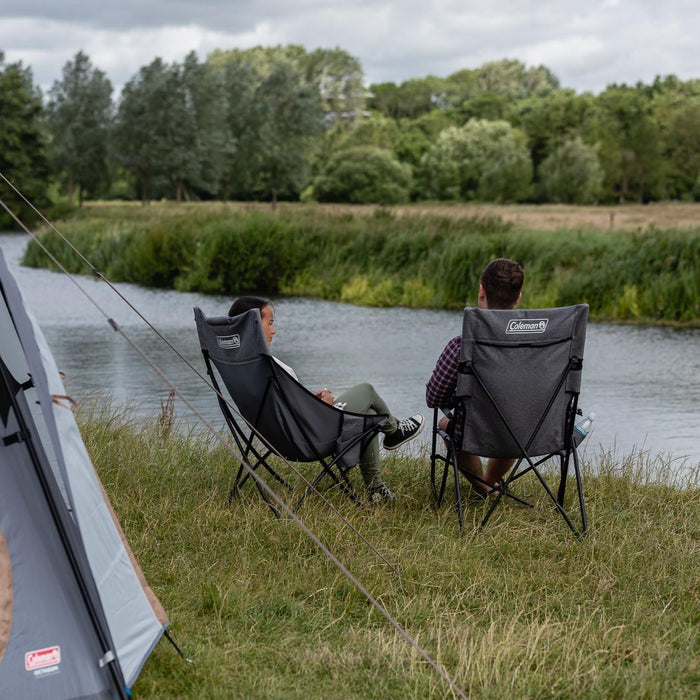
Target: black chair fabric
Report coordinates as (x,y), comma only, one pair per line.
(288,418)
(519,381)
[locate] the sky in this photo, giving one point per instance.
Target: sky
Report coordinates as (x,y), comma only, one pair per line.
(587,45)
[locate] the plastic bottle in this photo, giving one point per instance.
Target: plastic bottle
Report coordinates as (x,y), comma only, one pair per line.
(582,429)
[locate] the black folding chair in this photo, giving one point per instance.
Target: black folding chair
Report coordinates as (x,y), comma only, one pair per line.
(519,382)
(278,415)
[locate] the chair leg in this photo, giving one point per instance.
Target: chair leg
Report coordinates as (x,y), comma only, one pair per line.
(579,486)
(564,471)
(460,513)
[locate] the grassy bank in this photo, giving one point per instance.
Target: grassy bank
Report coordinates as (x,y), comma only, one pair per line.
(523,610)
(378,257)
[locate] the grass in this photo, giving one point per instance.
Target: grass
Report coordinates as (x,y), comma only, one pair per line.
(523,610)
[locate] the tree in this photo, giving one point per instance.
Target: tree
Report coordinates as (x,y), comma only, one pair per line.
(22,143)
(411,99)
(572,173)
(79,116)
(338,76)
(630,144)
(482,160)
(549,120)
(286,119)
(510,78)
(364,175)
(199,151)
(143,125)
(682,149)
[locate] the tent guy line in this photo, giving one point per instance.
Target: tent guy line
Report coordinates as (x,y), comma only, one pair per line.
(225,442)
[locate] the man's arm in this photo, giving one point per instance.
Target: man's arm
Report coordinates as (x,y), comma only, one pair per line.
(439,391)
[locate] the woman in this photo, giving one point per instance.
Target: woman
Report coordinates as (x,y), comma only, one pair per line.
(359,399)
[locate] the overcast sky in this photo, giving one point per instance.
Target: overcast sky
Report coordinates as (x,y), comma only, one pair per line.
(587,45)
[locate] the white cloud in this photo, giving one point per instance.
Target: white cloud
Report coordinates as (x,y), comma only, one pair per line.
(586,46)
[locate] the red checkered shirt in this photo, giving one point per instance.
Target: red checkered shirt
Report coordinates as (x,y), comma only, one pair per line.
(440,389)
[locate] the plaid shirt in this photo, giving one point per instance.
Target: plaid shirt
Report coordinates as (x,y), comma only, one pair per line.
(440,389)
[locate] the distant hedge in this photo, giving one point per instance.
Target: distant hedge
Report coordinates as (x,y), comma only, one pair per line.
(381,259)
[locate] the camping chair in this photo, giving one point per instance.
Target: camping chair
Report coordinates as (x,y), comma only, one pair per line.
(519,381)
(285,417)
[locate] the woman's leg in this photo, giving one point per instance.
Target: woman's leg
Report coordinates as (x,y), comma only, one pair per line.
(364,399)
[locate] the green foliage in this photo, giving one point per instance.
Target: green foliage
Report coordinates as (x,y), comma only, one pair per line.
(286,118)
(482,160)
(22,144)
(520,610)
(388,260)
(364,174)
(79,115)
(571,174)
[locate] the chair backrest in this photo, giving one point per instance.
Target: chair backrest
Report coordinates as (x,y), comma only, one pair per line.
(529,361)
(292,420)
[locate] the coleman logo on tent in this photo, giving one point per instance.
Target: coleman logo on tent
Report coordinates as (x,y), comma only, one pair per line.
(33,660)
(229,342)
(530,325)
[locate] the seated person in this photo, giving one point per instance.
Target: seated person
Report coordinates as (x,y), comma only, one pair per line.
(499,288)
(359,399)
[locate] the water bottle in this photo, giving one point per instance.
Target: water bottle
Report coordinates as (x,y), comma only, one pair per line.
(582,429)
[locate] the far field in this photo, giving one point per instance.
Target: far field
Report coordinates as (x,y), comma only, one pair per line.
(549,217)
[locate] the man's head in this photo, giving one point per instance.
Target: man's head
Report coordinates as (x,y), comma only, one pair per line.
(500,284)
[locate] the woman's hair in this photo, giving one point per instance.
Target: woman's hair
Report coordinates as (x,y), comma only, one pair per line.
(243,304)
(502,280)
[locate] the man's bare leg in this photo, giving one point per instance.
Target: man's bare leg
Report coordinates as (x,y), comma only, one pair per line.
(497,468)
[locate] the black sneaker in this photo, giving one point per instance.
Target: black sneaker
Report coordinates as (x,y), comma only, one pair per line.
(380,494)
(406,430)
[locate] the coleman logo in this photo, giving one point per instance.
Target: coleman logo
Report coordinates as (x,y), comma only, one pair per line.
(33,660)
(528,325)
(229,342)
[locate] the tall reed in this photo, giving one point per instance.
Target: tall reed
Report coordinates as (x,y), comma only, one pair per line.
(382,259)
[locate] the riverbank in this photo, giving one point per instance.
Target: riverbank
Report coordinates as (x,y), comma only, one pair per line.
(380,257)
(523,610)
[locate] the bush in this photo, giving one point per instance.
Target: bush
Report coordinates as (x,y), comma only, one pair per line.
(364,175)
(483,160)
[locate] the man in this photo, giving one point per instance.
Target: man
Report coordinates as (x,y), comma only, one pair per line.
(500,287)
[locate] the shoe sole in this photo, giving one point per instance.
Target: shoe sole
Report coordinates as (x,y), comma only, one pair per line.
(403,442)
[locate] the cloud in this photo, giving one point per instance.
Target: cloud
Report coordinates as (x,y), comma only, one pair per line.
(586,45)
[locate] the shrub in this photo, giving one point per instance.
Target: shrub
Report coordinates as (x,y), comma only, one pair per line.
(364,175)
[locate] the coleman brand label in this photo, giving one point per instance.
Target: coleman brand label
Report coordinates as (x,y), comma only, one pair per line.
(42,658)
(229,342)
(527,325)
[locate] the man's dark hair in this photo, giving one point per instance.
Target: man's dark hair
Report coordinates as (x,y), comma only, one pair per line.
(243,304)
(502,280)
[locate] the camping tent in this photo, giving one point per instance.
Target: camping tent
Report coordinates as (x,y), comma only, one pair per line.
(77,619)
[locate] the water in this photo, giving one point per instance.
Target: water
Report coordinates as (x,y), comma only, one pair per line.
(643,383)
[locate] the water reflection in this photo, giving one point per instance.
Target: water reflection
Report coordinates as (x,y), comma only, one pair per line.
(643,383)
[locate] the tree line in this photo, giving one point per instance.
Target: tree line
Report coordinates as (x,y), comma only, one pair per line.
(286,123)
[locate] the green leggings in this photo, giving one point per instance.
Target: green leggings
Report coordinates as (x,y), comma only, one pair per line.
(362,398)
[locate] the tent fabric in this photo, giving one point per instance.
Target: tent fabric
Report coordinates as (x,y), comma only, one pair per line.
(72,496)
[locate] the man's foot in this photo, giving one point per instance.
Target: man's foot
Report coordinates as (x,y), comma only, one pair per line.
(407,429)
(380,494)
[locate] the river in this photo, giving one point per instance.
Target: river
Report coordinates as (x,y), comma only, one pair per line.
(642,382)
